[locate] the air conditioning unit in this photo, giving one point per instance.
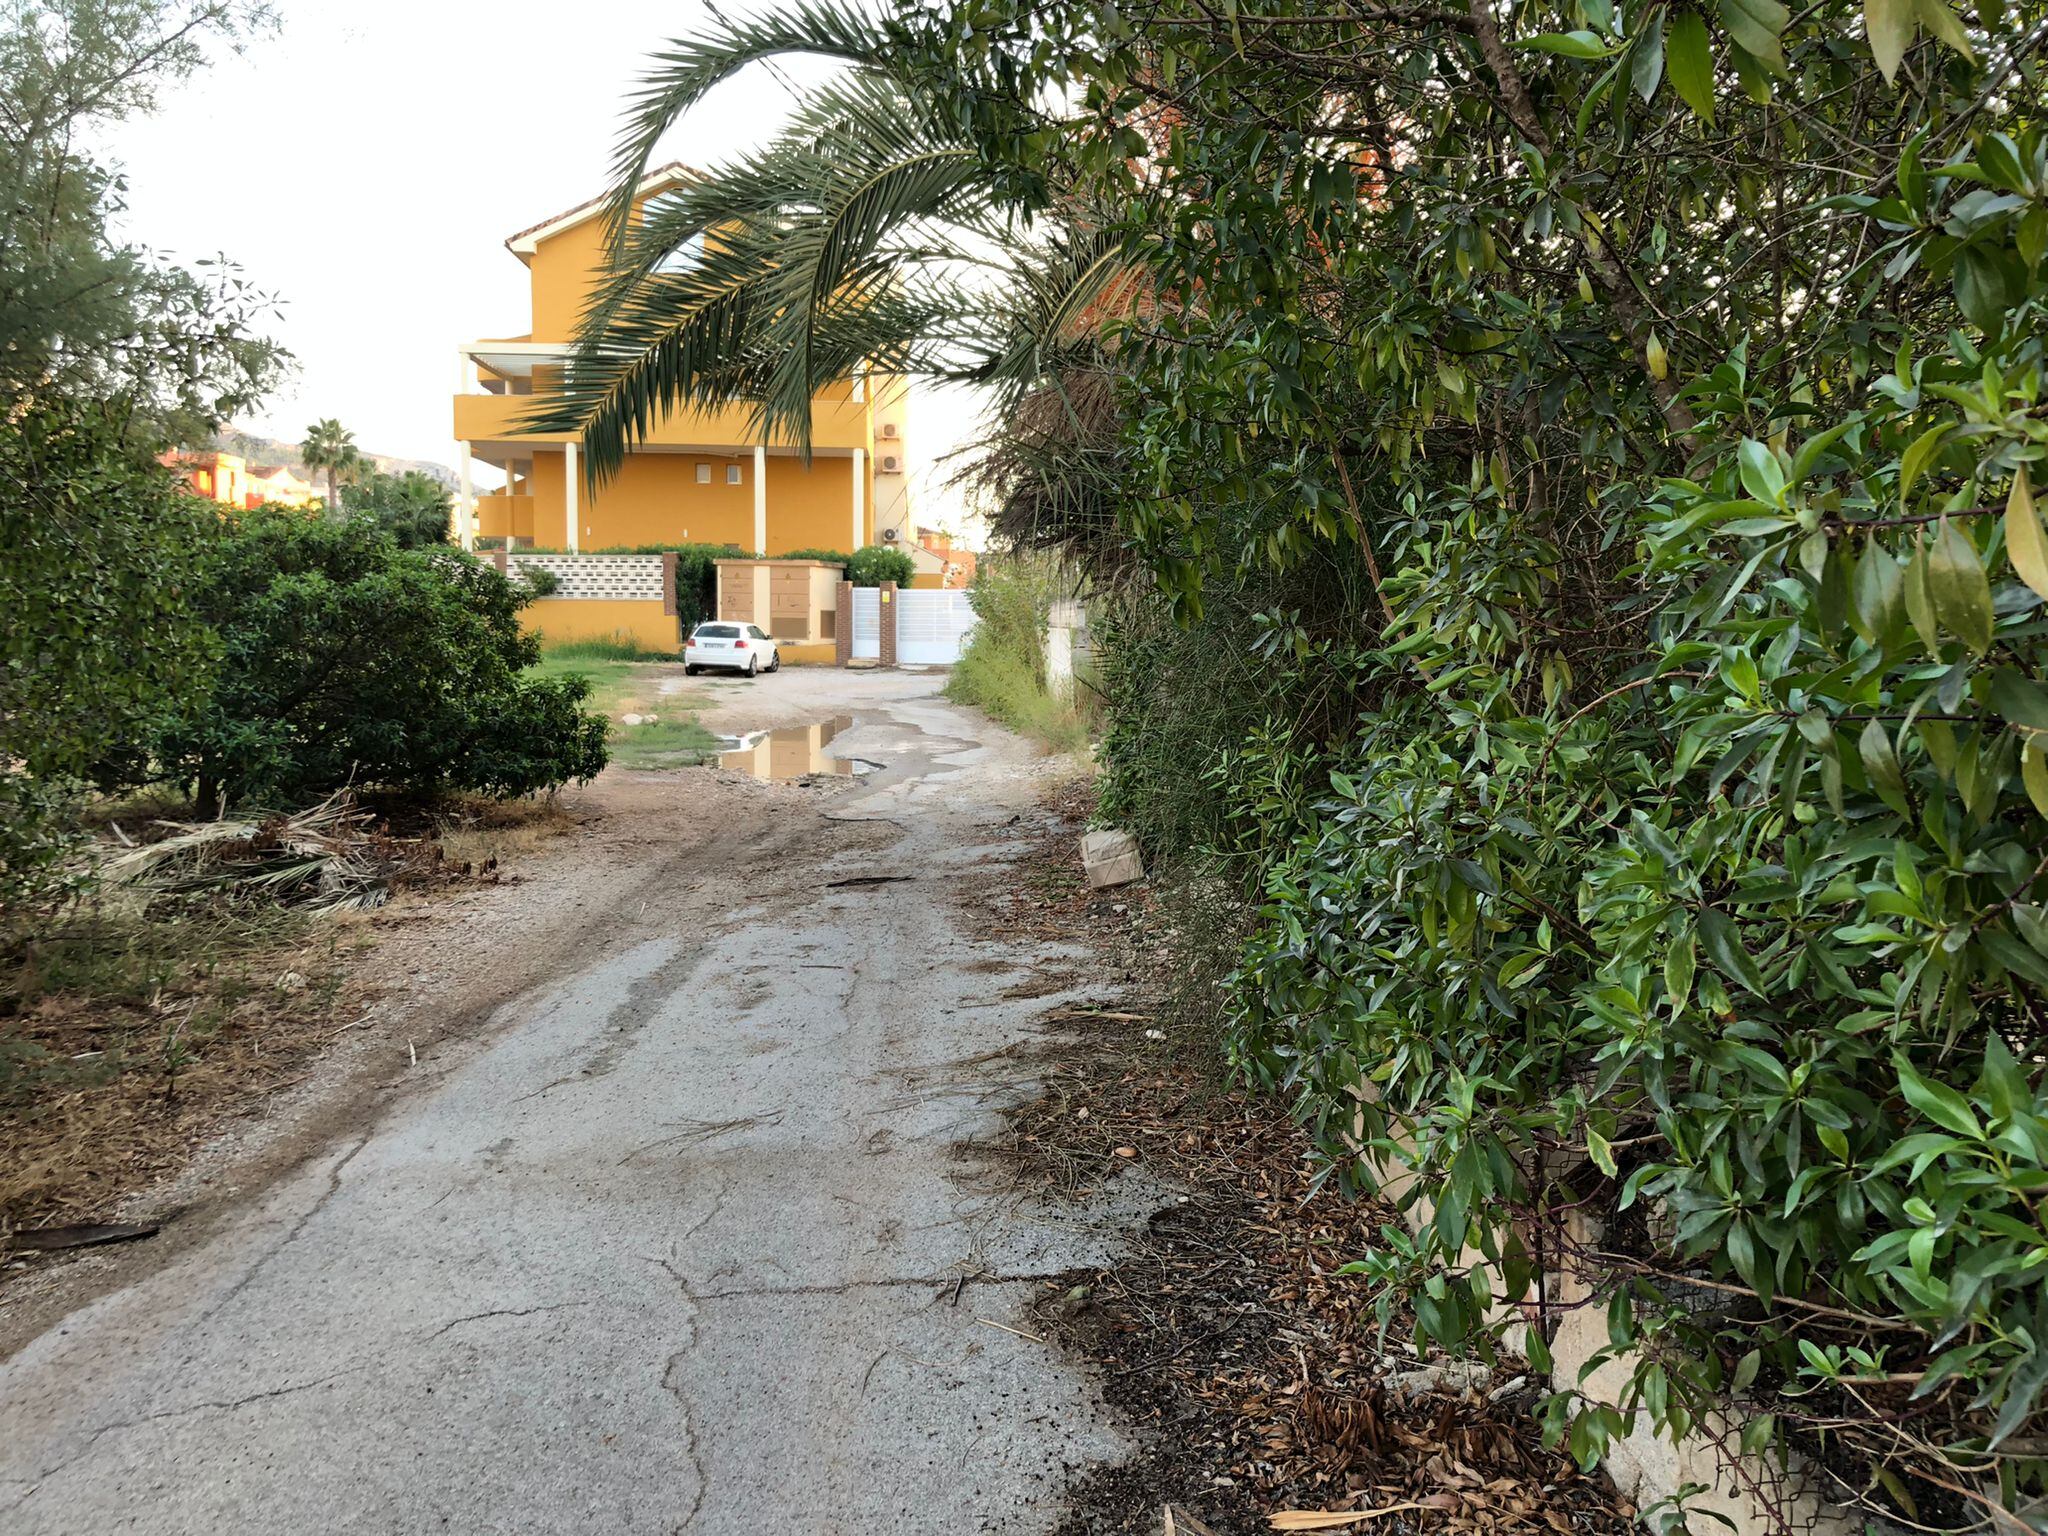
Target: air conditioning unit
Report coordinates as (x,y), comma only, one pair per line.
(891,535)
(890,429)
(891,464)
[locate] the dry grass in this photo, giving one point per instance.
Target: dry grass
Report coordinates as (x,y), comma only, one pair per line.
(126,1035)
(134,1026)
(490,833)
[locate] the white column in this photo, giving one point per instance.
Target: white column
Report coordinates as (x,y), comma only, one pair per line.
(465,504)
(860,496)
(571,477)
(760,500)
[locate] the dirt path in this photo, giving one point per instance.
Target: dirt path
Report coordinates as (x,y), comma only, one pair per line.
(665,1228)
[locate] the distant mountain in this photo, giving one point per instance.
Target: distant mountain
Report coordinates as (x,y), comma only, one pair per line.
(270,450)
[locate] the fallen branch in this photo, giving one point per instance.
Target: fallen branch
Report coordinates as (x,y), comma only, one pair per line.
(92,1235)
(1330,1519)
(989,1322)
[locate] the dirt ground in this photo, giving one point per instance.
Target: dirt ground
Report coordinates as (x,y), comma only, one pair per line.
(1259,1378)
(753,1151)
(633,1201)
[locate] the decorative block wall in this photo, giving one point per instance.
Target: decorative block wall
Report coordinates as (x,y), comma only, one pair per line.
(632,577)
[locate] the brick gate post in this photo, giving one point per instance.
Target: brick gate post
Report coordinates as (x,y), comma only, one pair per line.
(842,626)
(888,623)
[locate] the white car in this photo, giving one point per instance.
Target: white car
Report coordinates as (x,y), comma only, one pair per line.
(725,643)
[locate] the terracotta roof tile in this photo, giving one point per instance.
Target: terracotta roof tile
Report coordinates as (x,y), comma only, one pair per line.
(675,168)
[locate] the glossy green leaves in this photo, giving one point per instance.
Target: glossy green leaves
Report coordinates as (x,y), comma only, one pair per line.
(1689,61)
(1958,588)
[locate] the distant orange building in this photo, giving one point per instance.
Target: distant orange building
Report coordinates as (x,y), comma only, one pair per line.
(233,481)
(938,563)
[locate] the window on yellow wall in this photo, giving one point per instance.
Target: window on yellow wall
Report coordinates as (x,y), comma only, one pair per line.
(703,474)
(732,474)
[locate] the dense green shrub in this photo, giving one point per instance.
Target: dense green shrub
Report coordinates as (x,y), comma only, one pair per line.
(99,555)
(346,658)
(1216,732)
(868,566)
(1658,878)
(873,564)
(697,582)
(1664,890)
(1676,909)
(108,353)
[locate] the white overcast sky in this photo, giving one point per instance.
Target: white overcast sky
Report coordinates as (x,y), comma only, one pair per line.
(366,163)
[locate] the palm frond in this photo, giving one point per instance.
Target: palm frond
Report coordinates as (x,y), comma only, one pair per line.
(689,67)
(839,235)
(869,235)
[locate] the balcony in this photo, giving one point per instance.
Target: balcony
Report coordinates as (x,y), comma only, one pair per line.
(835,424)
(505,513)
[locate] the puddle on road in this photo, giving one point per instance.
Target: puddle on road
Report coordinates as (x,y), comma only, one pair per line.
(791,752)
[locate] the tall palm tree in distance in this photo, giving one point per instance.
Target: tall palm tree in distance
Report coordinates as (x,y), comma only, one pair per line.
(332,447)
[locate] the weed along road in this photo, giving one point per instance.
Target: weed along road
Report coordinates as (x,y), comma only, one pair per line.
(679,1235)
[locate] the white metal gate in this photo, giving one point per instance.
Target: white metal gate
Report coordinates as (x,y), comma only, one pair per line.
(867,623)
(932,627)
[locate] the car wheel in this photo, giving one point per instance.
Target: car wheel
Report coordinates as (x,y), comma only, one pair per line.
(753,666)
(776,664)
(692,670)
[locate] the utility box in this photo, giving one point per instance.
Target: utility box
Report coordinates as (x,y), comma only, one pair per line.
(796,601)
(1111,858)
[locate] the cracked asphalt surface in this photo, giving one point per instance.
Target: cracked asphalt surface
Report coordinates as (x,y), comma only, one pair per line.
(685,1242)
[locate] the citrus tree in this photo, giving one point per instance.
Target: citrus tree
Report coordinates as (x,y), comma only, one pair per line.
(346,658)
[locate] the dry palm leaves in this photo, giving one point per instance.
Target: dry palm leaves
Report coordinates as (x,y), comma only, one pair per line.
(333,857)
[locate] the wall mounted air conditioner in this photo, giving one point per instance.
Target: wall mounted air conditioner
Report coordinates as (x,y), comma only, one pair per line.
(891,429)
(891,535)
(891,464)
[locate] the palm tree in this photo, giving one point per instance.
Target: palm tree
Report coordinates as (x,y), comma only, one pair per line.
(868,235)
(332,447)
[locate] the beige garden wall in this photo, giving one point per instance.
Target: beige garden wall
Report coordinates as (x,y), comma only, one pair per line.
(1647,1467)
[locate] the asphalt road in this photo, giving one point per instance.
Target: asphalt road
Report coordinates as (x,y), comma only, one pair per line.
(686,1243)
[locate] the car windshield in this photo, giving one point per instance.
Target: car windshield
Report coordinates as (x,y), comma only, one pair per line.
(717,632)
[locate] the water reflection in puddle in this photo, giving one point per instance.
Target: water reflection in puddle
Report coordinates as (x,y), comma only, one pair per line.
(791,752)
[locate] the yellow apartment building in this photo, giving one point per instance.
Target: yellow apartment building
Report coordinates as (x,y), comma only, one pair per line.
(702,477)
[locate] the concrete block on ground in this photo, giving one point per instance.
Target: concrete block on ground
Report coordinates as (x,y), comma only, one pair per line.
(1111,858)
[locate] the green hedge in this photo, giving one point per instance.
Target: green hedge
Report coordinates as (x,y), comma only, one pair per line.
(869,566)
